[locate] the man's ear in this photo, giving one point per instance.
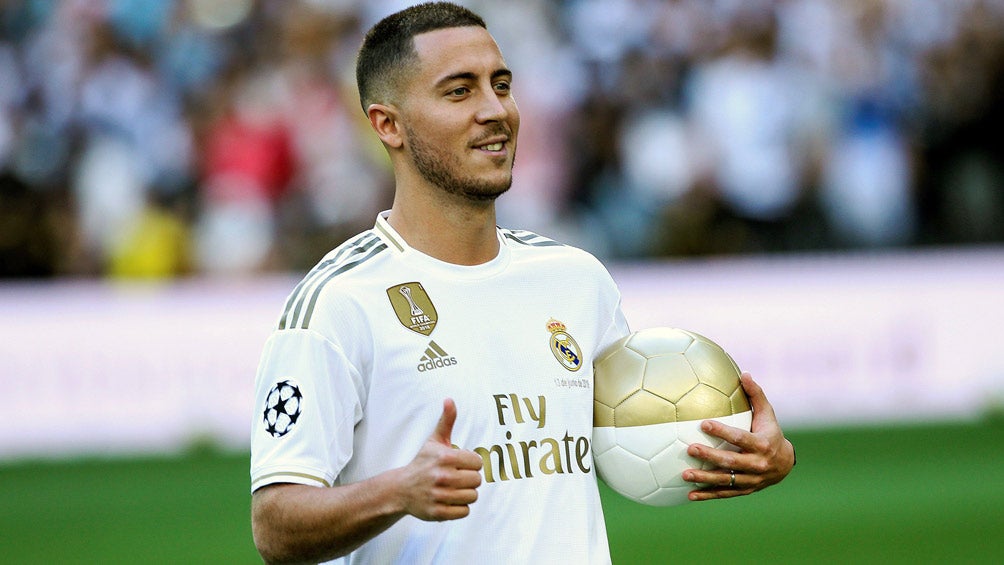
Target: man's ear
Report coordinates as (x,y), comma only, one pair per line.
(384,121)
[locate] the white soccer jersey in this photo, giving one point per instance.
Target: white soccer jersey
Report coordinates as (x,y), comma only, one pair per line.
(352,382)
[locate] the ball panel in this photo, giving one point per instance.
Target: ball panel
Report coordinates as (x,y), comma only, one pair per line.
(643,409)
(740,402)
(620,375)
(604,439)
(646,441)
(690,432)
(702,403)
(713,366)
(669,376)
(742,420)
(658,341)
(603,415)
(668,465)
(626,473)
(673,496)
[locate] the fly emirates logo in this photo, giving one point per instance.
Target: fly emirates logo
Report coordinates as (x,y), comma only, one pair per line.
(535,457)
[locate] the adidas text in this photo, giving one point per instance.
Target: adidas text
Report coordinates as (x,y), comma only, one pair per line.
(437,363)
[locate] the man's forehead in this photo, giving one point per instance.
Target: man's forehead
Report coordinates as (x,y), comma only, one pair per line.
(448,50)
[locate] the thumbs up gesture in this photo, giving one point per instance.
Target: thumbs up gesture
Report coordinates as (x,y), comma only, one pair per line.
(441,481)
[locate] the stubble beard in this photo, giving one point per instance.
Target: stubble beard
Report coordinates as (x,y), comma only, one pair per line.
(440,169)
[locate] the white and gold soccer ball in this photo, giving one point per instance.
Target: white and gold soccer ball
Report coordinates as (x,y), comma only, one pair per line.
(653,388)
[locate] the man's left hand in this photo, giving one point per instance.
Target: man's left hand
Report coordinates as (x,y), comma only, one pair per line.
(765,457)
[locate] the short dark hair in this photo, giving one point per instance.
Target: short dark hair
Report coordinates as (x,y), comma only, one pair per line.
(389,46)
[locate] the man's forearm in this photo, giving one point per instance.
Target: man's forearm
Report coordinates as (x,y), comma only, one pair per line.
(298,523)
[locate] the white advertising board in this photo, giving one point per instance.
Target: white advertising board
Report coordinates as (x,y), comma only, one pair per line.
(100,368)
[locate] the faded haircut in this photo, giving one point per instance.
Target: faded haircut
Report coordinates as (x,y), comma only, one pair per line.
(389,48)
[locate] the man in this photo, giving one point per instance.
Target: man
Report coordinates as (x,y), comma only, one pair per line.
(412,407)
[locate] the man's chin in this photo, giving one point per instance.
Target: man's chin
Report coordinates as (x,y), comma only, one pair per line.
(483,197)
(487,193)
(482,189)
(473,188)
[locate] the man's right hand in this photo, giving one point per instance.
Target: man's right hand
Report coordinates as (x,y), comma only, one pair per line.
(442,480)
(294,522)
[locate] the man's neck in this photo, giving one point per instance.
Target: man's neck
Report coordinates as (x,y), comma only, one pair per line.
(447,228)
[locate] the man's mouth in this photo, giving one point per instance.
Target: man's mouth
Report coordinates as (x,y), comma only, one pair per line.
(493,142)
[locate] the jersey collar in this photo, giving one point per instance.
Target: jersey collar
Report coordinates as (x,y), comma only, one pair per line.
(399,245)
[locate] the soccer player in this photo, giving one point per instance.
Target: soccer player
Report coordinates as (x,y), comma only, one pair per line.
(427,393)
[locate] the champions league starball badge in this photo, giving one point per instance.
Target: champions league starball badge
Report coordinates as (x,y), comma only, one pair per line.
(282,408)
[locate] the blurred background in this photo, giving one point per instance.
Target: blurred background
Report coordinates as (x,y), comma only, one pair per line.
(818,185)
(169,138)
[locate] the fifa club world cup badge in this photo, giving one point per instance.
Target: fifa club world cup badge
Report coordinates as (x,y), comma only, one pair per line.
(413,307)
(564,348)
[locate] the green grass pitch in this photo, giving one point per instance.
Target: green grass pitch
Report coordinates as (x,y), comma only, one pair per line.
(929,493)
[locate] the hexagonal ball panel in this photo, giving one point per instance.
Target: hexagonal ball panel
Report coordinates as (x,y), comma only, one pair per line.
(669,376)
(713,366)
(626,473)
(702,403)
(642,409)
(617,375)
(658,341)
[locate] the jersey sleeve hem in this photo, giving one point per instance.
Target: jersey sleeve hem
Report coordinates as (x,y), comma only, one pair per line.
(289,476)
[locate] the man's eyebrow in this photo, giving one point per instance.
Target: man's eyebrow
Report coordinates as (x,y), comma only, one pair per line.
(467,75)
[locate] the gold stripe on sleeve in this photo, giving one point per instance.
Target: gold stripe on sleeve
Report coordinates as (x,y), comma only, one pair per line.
(263,478)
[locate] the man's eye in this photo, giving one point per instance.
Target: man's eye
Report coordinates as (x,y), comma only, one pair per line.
(459,91)
(503,86)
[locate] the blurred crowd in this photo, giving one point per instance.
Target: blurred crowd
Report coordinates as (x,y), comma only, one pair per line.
(162,138)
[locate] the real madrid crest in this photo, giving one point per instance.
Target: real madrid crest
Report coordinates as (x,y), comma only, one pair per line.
(564,348)
(413,307)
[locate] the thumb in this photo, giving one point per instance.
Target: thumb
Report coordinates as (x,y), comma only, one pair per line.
(444,428)
(762,409)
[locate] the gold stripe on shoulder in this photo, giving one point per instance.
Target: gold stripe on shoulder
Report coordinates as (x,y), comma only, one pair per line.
(388,234)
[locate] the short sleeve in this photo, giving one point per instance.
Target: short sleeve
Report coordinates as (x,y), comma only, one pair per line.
(615,323)
(308,398)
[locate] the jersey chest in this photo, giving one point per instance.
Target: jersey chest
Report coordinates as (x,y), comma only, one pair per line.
(465,336)
(516,360)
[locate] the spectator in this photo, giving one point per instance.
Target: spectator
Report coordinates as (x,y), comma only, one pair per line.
(663,126)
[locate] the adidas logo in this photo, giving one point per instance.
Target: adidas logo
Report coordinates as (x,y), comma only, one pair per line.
(435,358)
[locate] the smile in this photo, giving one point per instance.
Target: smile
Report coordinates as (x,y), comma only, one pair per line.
(492,143)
